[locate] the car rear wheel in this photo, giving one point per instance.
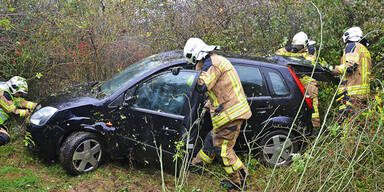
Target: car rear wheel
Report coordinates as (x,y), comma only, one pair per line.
(271,146)
(81,152)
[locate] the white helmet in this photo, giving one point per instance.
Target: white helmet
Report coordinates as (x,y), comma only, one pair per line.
(352,34)
(300,39)
(195,50)
(17,84)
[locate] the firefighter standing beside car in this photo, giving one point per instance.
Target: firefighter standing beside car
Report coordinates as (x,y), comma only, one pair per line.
(302,47)
(354,69)
(12,102)
(228,108)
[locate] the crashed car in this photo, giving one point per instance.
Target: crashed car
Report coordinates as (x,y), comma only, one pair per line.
(153,105)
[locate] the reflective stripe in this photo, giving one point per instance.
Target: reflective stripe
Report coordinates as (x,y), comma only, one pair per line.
(306,79)
(230,114)
(205,157)
(214,98)
(222,65)
(237,165)
(224,152)
(342,107)
(208,80)
(2,116)
(236,86)
(22,113)
(316,113)
(29,105)
(229,170)
(7,107)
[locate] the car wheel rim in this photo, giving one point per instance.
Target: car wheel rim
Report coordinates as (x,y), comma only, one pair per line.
(272,150)
(87,155)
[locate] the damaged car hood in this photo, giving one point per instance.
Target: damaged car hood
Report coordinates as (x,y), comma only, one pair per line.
(78,95)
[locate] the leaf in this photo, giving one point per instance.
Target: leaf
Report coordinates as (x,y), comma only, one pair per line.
(38,75)
(11,9)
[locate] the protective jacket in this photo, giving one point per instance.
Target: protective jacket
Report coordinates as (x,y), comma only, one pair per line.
(310,55)
(227,101)
(307,53)
(356,64)
(228,109)
(10,104)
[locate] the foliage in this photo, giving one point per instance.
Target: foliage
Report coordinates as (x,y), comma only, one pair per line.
(59,43)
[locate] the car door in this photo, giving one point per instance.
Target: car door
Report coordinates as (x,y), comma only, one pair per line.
(258,97)
(154,113)
(280,92)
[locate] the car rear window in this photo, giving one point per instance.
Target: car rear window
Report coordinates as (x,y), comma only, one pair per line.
(252,80)
(279,86)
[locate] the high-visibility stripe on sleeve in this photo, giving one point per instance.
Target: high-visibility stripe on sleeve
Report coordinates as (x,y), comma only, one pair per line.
(223,64)
(209,79)
(22,113)
(205,157)
(213,98)
(7,107)
(29,105)
(223,153)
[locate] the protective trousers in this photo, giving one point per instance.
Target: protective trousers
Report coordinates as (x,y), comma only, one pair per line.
(313,91)
(4,137)
(219,143)
(349,108)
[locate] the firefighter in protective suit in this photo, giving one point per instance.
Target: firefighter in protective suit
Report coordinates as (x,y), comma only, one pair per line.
(302,47)
(12,102)
(354,69)
(228,108)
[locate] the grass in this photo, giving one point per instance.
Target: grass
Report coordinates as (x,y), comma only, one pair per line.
(353,164)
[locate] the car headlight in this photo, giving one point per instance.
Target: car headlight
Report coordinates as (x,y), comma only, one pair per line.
(41,116)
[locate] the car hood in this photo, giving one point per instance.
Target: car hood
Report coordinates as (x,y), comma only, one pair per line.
(78,95)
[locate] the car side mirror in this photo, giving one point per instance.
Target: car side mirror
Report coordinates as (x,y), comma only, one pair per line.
(176,70)
(129,98)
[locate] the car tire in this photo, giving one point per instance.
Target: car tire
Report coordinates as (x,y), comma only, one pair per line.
(81,152)
(271,145)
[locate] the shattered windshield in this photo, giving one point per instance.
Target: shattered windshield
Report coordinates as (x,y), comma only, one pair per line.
(137,69)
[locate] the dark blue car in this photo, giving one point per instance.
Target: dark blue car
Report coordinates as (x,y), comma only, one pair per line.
(153,103)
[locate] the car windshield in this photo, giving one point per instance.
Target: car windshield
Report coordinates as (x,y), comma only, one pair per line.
(137,69)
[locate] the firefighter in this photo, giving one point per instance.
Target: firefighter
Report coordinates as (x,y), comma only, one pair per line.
(12,102)
(302,47)
(228,108)
(354,70)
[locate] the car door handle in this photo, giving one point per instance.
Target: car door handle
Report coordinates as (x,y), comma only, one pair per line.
(262,112)
(168,131)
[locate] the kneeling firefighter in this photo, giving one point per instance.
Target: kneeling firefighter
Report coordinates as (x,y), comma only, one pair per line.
(228,108)
(11,102)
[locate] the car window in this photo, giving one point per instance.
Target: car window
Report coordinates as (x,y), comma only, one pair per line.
(252,80)
(137,69)
(278,85)
(165,92)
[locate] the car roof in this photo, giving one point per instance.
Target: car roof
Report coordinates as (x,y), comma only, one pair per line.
(234,58)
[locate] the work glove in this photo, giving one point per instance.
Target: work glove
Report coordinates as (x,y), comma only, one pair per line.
(328,68)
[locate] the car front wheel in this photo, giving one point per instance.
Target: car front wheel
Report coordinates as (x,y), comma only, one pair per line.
(272,145)
(81,152)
